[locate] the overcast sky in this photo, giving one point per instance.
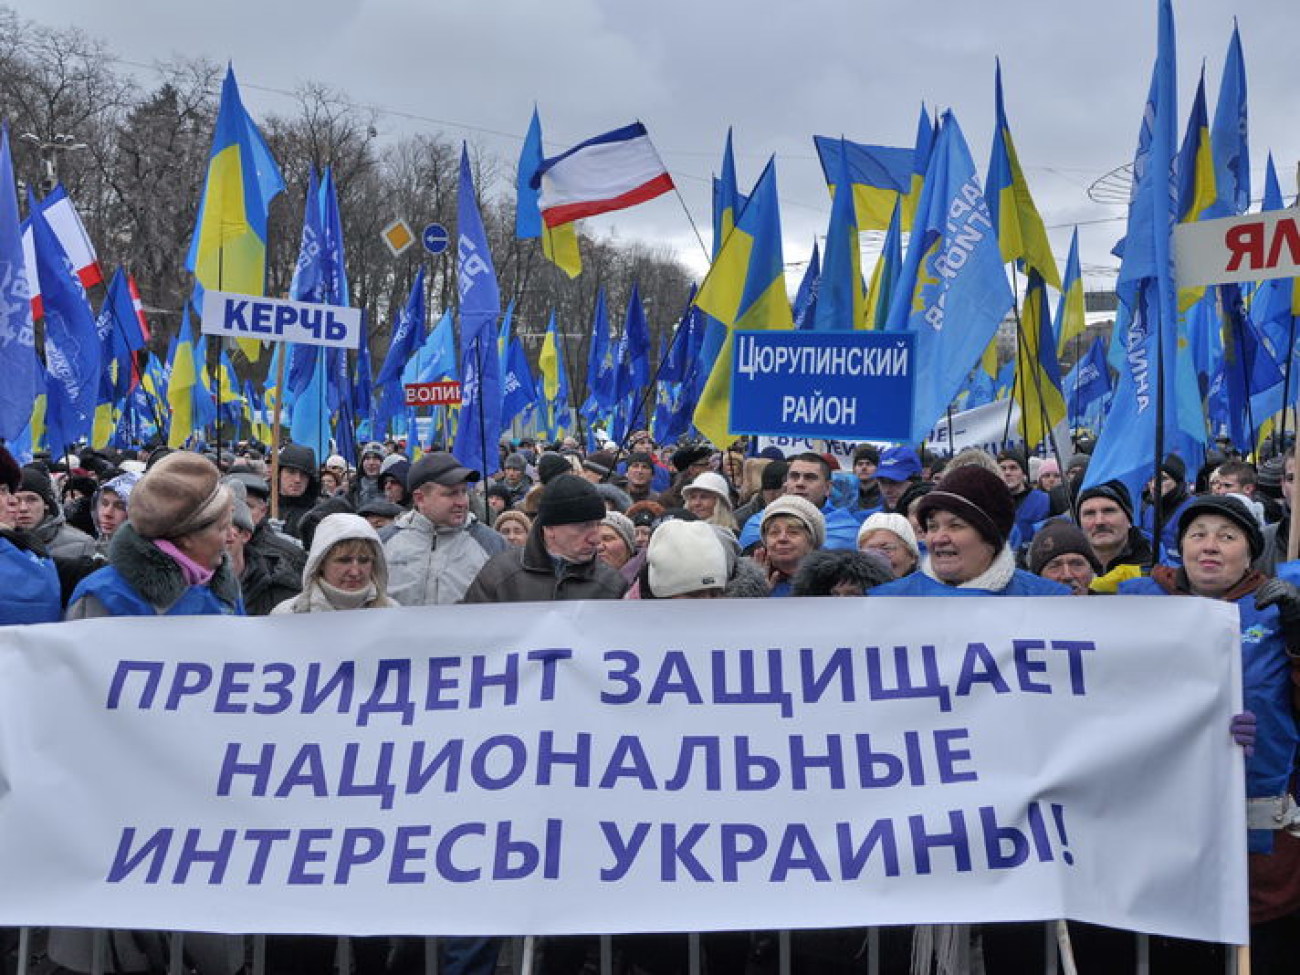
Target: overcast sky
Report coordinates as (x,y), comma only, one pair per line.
(1075,76)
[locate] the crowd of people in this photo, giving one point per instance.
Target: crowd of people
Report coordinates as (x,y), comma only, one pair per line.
(165,532)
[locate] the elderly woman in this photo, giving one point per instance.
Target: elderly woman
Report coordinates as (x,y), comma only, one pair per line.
(790,529)
(345,569)
(513,526)
(891,535)
(618,545)
(169,559)
(1218,538)
(968,520)
(709,499)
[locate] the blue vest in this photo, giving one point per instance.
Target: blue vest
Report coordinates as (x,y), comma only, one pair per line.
(1266,683)
(30,585)
(121,599)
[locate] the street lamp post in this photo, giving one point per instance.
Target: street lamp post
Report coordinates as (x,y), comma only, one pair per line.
(50,150)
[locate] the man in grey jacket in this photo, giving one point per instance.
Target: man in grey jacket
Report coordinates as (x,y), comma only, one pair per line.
(436,549)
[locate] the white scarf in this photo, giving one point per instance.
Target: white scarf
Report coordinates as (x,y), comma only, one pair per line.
(994,579)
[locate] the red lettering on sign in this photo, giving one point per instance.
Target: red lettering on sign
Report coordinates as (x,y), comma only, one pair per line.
(1246,241)
(1285,233)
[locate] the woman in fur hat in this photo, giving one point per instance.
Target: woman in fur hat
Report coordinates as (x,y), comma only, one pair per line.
(169,559)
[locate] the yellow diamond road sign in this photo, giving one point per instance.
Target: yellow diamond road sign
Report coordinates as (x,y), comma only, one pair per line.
(398,236)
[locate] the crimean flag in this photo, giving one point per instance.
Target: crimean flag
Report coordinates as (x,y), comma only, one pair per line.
(70,232)
(1021,234)
(612,171)
(744,289)
(559,244)
(228,250)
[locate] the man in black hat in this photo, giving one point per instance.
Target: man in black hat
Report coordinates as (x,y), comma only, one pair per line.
(437,548)
(1105,513)
(299,485)
(558,561)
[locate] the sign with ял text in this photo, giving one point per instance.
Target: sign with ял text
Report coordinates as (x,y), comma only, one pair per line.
(1256,247)
(628,766)
(236,316)
(445,392)
(837,385)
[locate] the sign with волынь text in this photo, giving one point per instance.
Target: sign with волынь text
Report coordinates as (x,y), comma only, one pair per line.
(443,393)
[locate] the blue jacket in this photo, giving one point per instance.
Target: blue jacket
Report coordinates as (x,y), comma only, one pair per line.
(30,585)
(1266,683)
(121,599)
(142,580)
(1034,508)
(919,584)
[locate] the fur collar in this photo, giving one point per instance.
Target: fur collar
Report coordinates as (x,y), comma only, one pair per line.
(153,574)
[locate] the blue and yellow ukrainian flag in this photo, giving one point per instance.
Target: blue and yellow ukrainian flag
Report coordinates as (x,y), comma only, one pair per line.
(744,289)
(228,250)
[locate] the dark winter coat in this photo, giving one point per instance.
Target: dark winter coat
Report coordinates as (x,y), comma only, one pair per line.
(528,574)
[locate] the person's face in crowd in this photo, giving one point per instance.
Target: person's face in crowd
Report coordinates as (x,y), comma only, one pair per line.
(7,507)
(731,466)
(111,512)
(958,553)
(28,509)
(445,506)
(236,539)
(349,567)
(293,482)
(1070,569)
(901,559)
(206,545)
(370,465)
(513,475)
(1231,484)
(393,491)
(378,521)
(257,507)
(1105,524)
(329,483)
(787,541)
(892,490)
(642,445)
(613,550)
(591,476)
(807,480)
(1214,482)
(699,467)
(642,536)
(1048,480)
(1013,476)
(576,543)
(496,503)
(513,532)
(1216,554)
(639,475)
(864,470)
(702,504)
(1167,484)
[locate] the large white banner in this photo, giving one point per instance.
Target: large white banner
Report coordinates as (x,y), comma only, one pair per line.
(641,766)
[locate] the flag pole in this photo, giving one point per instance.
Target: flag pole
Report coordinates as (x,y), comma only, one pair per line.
(682,201)
(275,433)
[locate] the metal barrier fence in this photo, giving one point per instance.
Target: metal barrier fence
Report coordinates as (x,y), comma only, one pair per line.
(520,955)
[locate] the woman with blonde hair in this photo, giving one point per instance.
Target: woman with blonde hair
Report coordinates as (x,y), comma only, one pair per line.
(345,569)
(709,499)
